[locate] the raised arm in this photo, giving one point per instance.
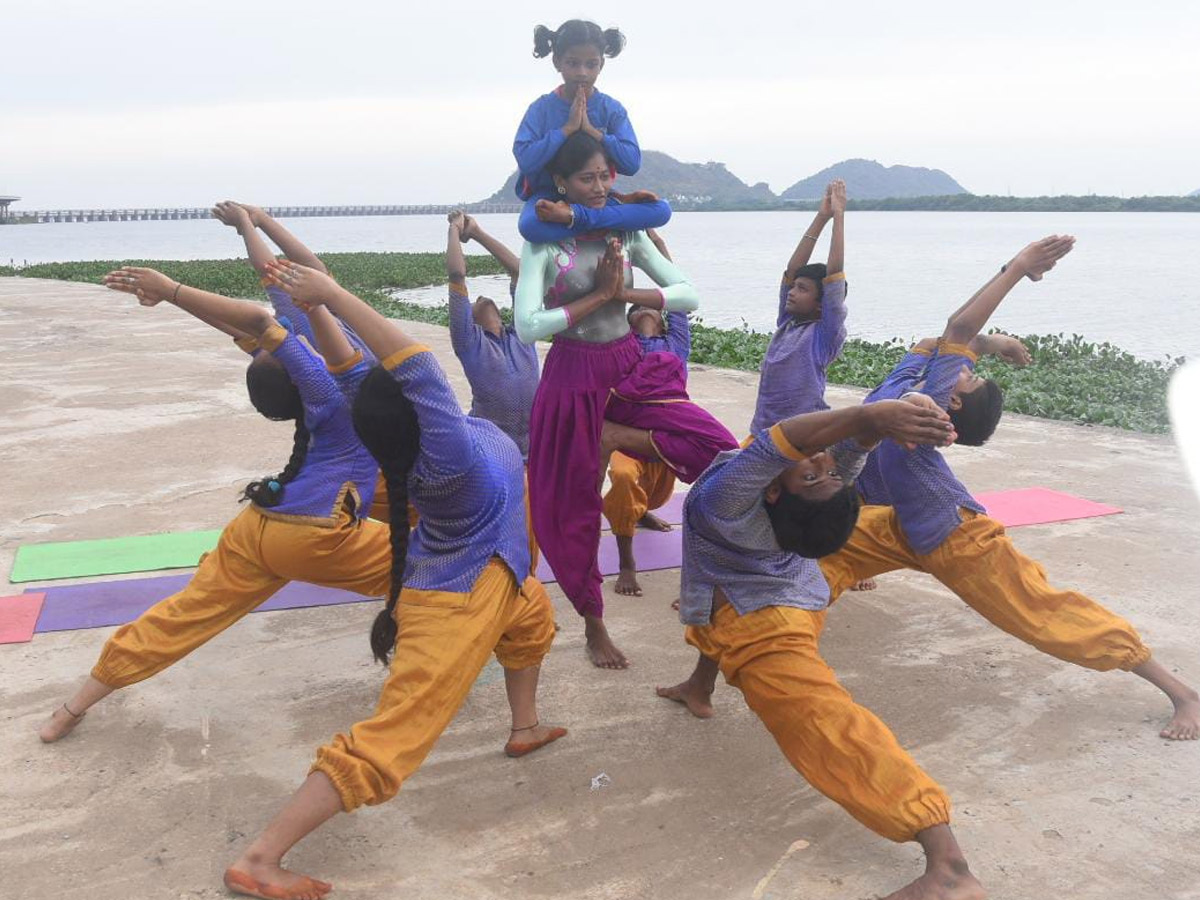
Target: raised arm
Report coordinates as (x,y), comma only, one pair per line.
(152,287)
(232,214)
(464,333)
(911,422)
(675,293)
(808,241)
(533,320)
(331,339)
(293,248)
(1033,262)
(619,139)
(836,194)
(471,230)
(312,288)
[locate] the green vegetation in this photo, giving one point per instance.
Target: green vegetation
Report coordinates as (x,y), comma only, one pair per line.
(1071,379)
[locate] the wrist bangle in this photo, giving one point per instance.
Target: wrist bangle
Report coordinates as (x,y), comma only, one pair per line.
(571,224)
(567,313)
(811,237)
(175,296)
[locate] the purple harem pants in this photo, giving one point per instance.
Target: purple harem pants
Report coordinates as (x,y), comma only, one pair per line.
(582,384)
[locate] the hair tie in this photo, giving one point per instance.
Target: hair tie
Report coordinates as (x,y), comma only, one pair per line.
(273,486)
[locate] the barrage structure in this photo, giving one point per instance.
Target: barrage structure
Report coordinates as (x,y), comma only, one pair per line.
(279,212)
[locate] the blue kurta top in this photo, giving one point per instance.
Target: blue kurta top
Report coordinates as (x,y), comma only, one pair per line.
(918,483)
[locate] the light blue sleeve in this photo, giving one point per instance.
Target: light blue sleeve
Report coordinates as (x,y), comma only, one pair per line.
(677,291)
(530,317)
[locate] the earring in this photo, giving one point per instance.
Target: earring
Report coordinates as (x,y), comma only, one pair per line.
(561,189)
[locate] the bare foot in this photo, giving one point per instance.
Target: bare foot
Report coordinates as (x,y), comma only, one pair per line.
(867,584)
(272,882)
(950,881)
(524,741)
(600,647)
(654,523)
(698,701)
(1185,724)
(59,725)
(627,583)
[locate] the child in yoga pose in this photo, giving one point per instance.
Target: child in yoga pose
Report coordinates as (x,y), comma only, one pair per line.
(922,517)
(501,369)
(305,524)
(578,291)
(753,600)
(639,486)
(462,587)
(578,49)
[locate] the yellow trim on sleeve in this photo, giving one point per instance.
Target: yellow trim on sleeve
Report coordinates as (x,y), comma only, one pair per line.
(400,356)
(836,276)
(246,344)
(948,349)
(347,365)
(784,446)
(270,339)
(459,287)
(920,351)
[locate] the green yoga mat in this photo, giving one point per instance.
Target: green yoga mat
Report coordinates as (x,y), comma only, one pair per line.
(111,556)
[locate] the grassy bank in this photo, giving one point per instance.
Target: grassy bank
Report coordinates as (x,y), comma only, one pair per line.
(1071,379)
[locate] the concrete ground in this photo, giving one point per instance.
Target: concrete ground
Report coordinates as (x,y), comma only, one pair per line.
(118,420)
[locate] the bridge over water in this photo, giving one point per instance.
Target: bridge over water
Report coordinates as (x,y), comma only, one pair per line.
(279,212)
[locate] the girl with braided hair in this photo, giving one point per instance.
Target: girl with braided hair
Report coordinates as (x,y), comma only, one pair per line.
(462,583)
(306,523)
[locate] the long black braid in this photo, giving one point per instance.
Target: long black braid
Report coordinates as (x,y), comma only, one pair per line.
(387,425)
(276,396)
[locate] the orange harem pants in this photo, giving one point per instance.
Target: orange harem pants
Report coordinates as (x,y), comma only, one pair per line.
(255,557)
(842,749)
(443,642)
(638,486)
(980,564)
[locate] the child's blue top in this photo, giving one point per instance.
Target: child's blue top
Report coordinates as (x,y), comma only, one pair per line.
(791,379)
(677,341)
(502,371)
(728,541)
(540,135)
(337,465)
(468,485)
(918,483)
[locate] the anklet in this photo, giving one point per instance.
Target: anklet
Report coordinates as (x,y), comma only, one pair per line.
(526,728)
(73,715)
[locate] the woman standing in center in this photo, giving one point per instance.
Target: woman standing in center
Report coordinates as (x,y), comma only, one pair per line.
(577,290)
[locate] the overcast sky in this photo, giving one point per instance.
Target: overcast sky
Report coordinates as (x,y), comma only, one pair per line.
(123,103)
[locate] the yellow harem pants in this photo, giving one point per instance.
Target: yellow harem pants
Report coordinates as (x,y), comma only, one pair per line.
(842,749)
(254,557)
(979,563)
(443,642)
(637,487)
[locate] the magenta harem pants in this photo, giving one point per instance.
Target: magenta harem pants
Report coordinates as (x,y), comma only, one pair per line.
(582,384)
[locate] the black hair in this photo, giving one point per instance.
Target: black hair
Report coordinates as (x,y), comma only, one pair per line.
(815,272)
(276,396)
(576,33)
(814,528)
(976,420)
(574,154)
(386,423)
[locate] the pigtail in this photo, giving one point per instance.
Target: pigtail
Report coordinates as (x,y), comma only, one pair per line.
(614,42)
(384,628)
(543,42)
(268,492)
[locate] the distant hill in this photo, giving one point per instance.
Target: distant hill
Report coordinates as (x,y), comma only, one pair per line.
(685,185)
(868,180)
(1195,193)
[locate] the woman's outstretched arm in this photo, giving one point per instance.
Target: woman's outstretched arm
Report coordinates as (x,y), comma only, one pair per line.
(152,287)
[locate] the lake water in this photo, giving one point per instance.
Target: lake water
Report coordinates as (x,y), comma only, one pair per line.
(1133,279)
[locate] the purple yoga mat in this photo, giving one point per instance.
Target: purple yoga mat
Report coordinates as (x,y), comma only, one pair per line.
(99,604)
(102,603)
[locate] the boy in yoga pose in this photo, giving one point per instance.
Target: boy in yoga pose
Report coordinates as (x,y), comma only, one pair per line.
(501,369)
(922,517)
(753,599)
(638,486)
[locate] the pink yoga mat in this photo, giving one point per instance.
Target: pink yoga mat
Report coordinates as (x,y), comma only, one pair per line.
(18,617)
(1039,506)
